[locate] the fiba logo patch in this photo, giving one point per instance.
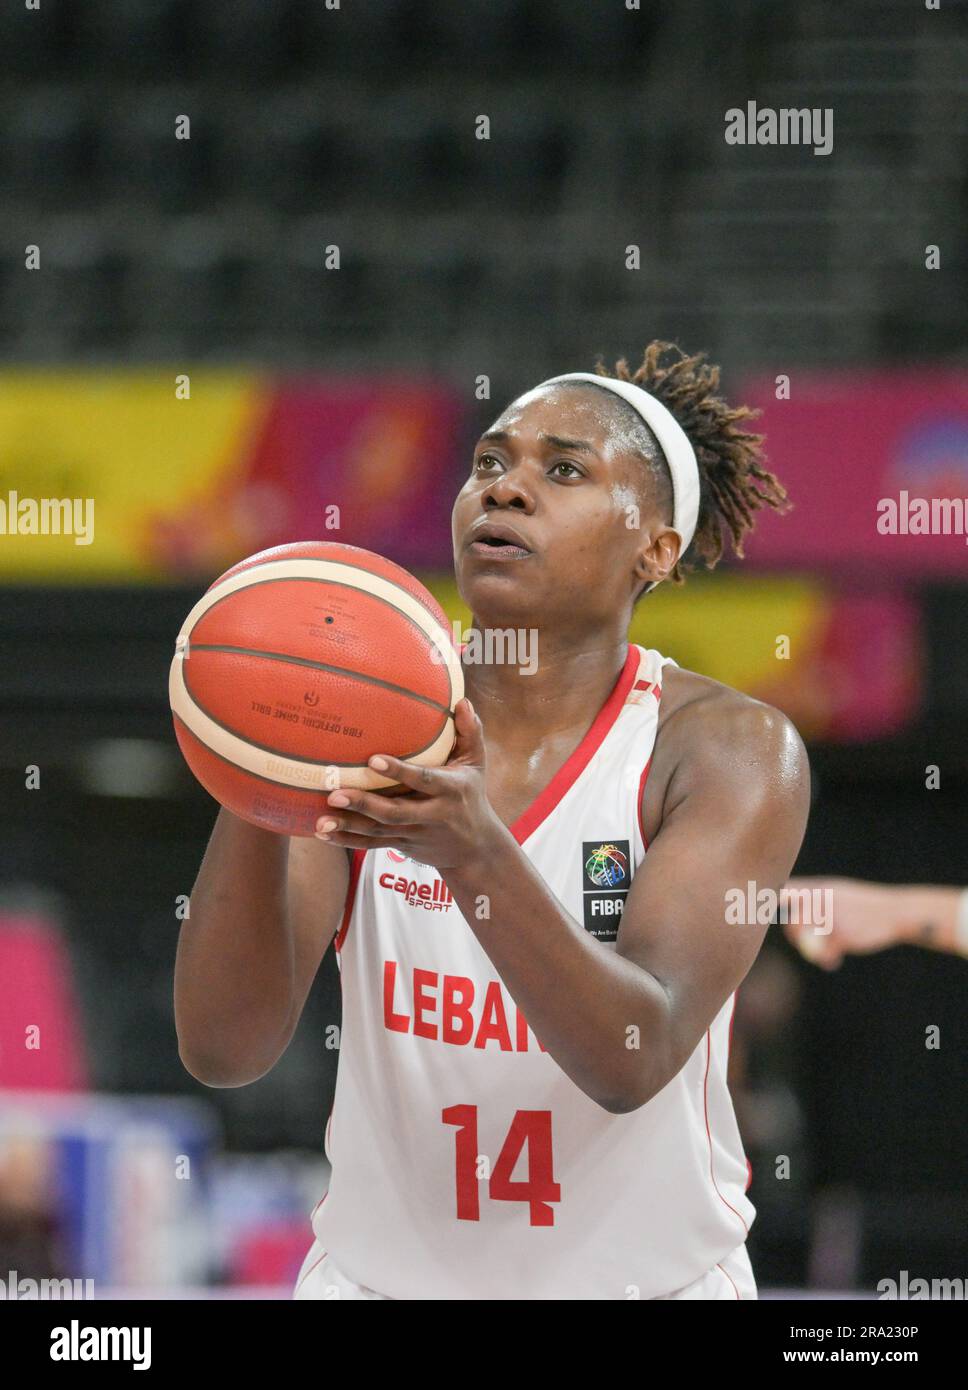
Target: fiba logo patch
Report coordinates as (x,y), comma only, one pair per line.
(606,876)
(607,866)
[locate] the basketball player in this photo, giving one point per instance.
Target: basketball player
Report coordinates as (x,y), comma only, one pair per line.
(537,970)
(870,917)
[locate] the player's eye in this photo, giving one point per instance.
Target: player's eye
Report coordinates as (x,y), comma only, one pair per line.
(564,463)
(485,462)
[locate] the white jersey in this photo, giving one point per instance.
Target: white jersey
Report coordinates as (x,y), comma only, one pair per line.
(465,1163)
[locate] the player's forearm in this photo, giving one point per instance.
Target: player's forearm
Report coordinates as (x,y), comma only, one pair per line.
(601,1017)
(234,968)
(928,916)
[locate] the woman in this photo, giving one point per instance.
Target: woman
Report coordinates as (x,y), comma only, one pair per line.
(537,965)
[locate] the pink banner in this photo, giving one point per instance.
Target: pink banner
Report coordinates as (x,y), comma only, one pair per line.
(383,453)
(370,462)
(876,465)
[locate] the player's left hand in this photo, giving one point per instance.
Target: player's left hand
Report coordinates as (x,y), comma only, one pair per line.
(442,820)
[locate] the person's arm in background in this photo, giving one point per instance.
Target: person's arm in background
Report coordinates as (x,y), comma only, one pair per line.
(262,913)
(869,917)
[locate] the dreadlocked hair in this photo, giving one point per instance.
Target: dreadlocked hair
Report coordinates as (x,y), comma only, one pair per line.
(733,484)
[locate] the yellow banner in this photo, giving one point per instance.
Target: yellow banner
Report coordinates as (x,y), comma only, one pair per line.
(92,463)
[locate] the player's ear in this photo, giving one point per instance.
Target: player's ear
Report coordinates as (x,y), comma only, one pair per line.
(657,556)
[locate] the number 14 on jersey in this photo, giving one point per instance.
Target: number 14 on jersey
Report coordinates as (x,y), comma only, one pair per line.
(529,1127)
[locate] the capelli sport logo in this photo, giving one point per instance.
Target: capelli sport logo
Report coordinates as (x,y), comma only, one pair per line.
(606,877)
(432,897)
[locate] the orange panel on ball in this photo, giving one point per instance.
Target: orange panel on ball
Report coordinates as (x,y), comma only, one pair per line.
(286,810)
(320,716)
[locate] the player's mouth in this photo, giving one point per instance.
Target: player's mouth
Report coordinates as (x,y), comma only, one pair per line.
(495,541)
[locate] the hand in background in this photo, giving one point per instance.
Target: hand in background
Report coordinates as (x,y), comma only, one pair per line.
(866,917)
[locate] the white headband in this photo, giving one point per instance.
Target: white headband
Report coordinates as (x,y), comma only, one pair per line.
(674,441)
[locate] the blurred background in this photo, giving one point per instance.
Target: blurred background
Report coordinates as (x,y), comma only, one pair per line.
(257,266)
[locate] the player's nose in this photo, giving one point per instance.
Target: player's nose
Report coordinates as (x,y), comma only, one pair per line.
(509,489)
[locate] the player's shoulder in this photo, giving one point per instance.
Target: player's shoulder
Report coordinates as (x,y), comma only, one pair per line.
(700,704)
(705,719)
(714,738)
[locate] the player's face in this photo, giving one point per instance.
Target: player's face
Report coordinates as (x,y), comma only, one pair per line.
(558,516)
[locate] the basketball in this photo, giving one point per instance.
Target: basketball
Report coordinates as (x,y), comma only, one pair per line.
(298,665)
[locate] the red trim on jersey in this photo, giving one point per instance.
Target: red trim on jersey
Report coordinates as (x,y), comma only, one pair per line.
(722,1271)
(729,1044)
(318,1204)
(355,867)
(656,689)
(642,781)
(654,686)
(566,776)
(705,1106)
